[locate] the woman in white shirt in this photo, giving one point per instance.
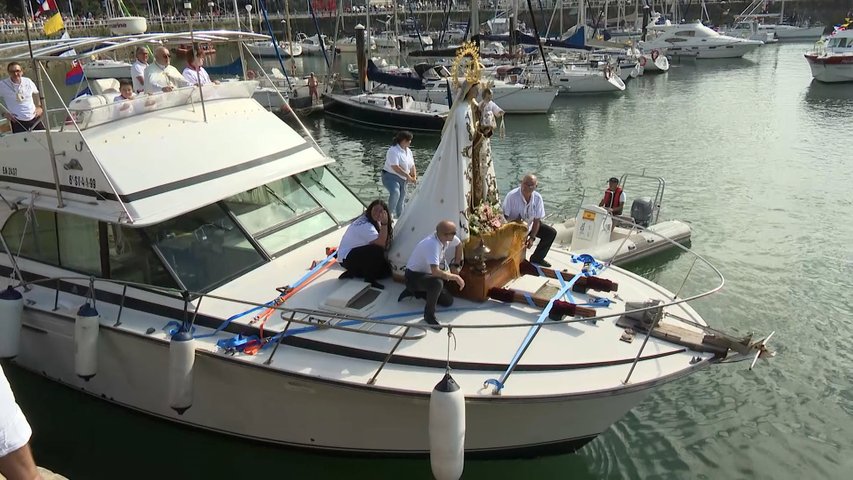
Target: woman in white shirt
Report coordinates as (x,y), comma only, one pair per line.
(399,170)
(363,248)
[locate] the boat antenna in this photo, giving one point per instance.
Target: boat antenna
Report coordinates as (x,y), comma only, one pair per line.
(188,6)
(45,118)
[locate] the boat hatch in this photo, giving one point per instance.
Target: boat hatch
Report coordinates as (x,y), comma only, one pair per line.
(353,298)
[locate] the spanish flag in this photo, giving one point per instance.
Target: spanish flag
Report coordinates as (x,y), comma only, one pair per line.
(53,24)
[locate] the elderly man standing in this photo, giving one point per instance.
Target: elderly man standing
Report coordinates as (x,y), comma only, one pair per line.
(137,70)
(424,277)
(525,203)
(21,97)
(161,76)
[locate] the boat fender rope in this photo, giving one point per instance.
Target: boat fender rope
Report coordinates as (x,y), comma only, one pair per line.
(494,381)
(177,325)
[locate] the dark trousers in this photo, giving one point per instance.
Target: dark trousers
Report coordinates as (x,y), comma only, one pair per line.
(368,261)
(20,126)
(432,287)
(546,235)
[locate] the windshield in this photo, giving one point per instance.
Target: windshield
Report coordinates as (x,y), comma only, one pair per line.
(215,244)
(204,248)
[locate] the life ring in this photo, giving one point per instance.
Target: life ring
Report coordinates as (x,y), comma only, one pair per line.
(251,75)
(655,54)
(642,61)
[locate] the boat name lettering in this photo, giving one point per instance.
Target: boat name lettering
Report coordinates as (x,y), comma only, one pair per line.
(80,181)
(11,171)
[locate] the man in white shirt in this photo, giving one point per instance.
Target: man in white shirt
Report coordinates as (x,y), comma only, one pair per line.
(137,70)
(161,76)
(424,275)
(16,459)
(194,73)
(21,97)
(525,203)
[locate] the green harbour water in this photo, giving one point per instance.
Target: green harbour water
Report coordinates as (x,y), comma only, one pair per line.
(757,160)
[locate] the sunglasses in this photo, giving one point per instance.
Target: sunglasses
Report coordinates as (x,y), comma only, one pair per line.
(16,71)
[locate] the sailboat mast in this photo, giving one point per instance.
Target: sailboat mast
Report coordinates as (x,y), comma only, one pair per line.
(475,21)
(288,32)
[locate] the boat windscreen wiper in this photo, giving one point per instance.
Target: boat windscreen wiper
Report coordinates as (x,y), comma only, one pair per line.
(280,200)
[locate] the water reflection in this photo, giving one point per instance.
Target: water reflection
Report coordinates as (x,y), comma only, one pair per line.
(829,101)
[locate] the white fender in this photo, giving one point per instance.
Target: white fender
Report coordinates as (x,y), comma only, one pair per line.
(181,362)
(11,313)
(86,328)
(447,430)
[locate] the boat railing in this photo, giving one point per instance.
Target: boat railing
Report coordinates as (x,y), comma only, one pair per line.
(316,320)
(94,110)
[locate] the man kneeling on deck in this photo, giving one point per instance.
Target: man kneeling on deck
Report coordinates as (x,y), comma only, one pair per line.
(423,275)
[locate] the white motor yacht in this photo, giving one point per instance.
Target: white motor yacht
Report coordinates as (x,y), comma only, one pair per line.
(696,39)
(833,61)
(192,281)
(268,49)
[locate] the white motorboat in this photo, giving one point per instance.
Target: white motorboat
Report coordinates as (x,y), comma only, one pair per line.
(511,97)
(752,30)
(348,45)
(696,39)
(312,45)
(833,61)
(792,32)
(654,61)
(151,284)
(268,49)
(622,239)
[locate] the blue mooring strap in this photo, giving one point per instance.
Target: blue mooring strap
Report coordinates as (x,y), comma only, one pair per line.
(295,284)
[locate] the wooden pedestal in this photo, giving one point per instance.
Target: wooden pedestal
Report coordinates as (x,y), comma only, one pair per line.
(498,274)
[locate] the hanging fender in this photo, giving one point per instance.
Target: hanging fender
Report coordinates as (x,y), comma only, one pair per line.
(655,54)
(642,61)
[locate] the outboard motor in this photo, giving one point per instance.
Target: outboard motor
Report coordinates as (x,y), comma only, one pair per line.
(642,210)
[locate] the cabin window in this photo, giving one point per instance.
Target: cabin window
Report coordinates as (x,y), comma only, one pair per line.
(336,198)
(279,214)
(686,33)
(79,247)
(35,237)
(204,248)
(675,40)
(131,258)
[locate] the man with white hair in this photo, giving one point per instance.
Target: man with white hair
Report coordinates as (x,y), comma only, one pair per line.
(161,76)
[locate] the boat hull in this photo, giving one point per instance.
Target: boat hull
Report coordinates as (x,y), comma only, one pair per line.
(236,398)
(735,50)
(831,68)
(511,100)
(811,33)
(339,107)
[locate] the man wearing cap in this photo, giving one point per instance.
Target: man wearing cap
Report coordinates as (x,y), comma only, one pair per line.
(614,197)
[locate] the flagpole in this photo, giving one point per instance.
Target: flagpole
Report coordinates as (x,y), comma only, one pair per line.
(44,116)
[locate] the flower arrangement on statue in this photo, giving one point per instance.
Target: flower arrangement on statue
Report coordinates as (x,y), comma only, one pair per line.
(486,218)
